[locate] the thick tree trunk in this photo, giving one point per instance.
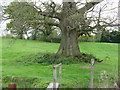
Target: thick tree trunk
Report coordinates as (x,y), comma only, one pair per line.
(21,36)
(69,44)
(34,37)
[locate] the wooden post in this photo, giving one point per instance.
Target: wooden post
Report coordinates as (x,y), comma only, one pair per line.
(54,77)
(92,73)
(91,77)
(60,73)
(12,86)
(55,74)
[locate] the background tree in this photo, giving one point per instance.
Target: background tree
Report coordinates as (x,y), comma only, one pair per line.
(115,36)
(20,22)
(27,19)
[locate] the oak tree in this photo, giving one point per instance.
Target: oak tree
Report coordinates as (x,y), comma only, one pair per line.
(70,18)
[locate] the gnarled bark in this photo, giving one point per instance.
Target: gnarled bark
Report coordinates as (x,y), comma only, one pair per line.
(69,41)
(69,44)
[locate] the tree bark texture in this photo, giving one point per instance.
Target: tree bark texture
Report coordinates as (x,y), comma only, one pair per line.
(69,41)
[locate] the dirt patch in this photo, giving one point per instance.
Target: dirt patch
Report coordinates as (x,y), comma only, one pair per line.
(87,67)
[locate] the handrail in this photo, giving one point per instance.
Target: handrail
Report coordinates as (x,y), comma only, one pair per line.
(54,74)
(57,65)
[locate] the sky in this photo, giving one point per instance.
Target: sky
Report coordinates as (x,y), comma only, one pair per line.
(111,4)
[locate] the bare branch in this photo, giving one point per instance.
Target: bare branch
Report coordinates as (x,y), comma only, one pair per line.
(50,23)
(87,6)
(52,14)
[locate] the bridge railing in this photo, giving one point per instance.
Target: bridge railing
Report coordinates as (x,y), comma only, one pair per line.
(55,74)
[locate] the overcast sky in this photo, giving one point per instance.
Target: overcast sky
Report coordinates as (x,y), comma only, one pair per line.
(111,4)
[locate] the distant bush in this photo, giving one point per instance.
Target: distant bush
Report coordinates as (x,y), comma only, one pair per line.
(113,36)
(8,36)
(86,39)
(50,38)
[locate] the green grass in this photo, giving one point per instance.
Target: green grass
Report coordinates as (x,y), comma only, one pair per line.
(39,76)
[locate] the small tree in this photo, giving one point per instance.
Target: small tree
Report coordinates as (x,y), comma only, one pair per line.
(27,19)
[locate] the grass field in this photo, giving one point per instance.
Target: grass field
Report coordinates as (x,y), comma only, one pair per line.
(73,75)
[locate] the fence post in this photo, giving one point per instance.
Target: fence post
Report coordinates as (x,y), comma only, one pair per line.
(12,86)
(92,73)
(60,72)
(55,74)
(54,77)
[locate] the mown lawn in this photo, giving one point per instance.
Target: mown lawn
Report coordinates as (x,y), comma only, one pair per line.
(73,75)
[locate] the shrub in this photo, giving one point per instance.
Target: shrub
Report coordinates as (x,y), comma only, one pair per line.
(36,58)
(113,36)
(48,58)
(45,59)
(22,82)
(106,80)
(50,38)
(8,36)
(86,39)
